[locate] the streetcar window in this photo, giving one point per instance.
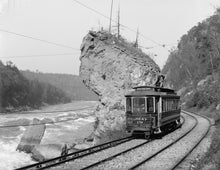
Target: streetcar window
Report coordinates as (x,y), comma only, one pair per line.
(164,105)
(176,104)
(168,105)
(139,105)
(128,104)
(150,104)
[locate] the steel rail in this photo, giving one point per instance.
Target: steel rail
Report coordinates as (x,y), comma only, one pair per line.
(121,153)
(75,155)
(158,152)
(191,150)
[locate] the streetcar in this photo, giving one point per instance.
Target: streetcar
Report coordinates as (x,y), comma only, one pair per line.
(152,110)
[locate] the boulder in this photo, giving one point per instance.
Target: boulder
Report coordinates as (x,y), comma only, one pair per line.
(110,67)
(32,136)
(47,121)
(44,152)
(202,84)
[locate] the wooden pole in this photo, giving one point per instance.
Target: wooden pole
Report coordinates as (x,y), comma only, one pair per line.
(118,21)
(110,24)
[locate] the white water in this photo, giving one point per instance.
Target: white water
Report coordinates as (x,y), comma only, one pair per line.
(55,133)
(10,158)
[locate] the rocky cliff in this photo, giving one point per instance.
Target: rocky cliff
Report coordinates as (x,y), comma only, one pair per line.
(193,68)
(110,67)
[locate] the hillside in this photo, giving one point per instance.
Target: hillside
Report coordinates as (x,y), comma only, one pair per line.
(70,84)
(19,93)
(194,67)
(194,70)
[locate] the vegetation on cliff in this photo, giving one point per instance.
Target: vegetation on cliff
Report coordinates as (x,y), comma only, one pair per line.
(17,92)
(194,67)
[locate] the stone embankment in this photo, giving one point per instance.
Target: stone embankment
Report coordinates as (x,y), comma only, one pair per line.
(110,67)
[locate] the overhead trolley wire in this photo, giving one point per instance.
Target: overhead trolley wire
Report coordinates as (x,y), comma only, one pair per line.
(40,55)
(38,39)
(96,11)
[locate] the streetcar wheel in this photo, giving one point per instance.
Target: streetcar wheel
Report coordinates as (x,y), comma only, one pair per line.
(147,136)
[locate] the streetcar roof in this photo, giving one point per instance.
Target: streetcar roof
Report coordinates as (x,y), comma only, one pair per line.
(151,91)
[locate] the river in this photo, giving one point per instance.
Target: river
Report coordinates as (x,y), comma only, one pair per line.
(71,125)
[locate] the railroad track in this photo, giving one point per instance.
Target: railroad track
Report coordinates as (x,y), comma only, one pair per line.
(180,161)
(192,149)
(108,161)
(79,154)
(119,154)
(75,155)
(95,163)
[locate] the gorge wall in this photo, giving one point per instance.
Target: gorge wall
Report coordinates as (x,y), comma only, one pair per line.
(193,67)
(110,67)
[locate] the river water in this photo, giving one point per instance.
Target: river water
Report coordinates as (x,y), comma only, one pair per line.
(70,127)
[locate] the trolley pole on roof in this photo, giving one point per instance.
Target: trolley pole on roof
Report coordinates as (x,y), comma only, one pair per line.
(110,24)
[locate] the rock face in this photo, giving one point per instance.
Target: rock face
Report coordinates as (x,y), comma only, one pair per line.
(32,136)
(110,67)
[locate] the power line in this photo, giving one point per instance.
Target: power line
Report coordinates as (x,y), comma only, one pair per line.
(163,45)
(96,11)
(9,126)
(38,39)
(40,55)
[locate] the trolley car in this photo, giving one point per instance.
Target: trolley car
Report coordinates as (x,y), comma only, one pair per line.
(152,110)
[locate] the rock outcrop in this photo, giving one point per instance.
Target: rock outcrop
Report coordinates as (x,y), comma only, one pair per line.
(110,67)
(32,136)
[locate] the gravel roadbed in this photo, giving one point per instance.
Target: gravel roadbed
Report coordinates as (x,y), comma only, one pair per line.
(90,159)
(192,161)
(168,158)
(133,157)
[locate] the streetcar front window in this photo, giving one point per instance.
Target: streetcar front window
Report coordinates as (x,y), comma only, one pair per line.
(128,104)
(139,105)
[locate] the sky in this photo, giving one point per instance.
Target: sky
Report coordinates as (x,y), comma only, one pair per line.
(62,24)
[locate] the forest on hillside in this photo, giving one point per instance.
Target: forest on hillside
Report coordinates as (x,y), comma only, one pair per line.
(194,67)
(70,84)
(19,93)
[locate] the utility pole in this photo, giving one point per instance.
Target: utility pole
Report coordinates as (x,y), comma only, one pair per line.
(136,42)
(110,24)
(118,26)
